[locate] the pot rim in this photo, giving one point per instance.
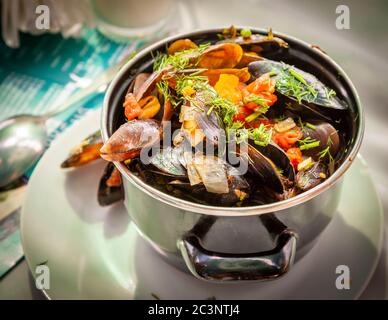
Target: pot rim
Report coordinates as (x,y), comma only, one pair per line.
(234,211)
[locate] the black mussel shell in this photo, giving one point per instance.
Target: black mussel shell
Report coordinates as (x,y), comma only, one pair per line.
(308,179)
(109,195)
(327,136)
(316,94)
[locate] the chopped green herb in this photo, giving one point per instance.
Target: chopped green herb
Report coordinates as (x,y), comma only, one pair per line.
(329,93)
(310,145)
(261,135)
(180,60)
(245,33)
(310,125)
(325,152)
(262,102)
(210,111)
(252,116)
(297,76)
(291,82)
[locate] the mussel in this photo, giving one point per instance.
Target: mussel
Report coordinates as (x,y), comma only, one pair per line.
(198,122)
(138,83)
(302,91)
(214,180)
(149,84)
(169,162)
(325,134)
(308,179)
(110,189)
(222,55)
(271,166)
(257,42)
(87,151)
(255,46)
(128,140)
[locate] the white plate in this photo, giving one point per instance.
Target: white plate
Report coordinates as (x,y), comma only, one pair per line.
(96,253)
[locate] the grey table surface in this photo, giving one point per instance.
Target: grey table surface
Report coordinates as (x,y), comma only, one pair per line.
(362,51)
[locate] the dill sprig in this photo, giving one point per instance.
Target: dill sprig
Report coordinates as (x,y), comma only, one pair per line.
(180,60)
(261,136)
(308,143)
(329,93)
(326,152)
(262,103)
(292,83)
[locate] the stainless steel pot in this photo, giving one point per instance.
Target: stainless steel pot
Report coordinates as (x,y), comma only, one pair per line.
(226,244)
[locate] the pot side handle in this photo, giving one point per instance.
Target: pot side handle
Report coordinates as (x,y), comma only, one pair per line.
(213,266)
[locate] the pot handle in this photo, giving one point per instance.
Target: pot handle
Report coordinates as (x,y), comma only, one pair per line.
(215,266)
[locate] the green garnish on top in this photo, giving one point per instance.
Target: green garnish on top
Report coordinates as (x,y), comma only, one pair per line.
(261,135)
(262,103)
(308,143)
(245,33)
(293,83)
(180,60)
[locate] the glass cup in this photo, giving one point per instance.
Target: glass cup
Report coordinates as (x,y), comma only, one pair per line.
(124,20)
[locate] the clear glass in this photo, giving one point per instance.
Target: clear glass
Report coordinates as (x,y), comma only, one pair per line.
(123,20)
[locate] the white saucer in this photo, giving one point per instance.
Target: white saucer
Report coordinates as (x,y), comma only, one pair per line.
(96,253)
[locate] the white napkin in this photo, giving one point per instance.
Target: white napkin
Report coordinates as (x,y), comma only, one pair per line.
(66,17)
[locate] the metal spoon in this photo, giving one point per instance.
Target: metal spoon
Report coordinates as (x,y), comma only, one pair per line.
(23,138)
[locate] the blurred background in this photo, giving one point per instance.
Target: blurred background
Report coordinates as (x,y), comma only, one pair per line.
(41,67)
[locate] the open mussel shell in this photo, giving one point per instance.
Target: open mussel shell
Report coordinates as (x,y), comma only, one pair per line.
(264,169)
(209,123)
(168,162)
(127,141)
(279,158)
(318,100)
(271,166)
(108,193)
(213,180)
(327,136)
(198,192)
(260,44)
(308,179)
(87,151)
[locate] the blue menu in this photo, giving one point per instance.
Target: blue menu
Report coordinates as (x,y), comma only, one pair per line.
(37,78)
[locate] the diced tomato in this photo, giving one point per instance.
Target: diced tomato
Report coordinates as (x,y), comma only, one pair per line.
(241,114)
(295,156)
(270,97)
(132,108)
(287,139)
(251,105)
(172,82)
(257,122)
(262,84)
(239,117)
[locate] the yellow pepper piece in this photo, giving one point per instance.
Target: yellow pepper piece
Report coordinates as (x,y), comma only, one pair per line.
(188,91)
(228,87)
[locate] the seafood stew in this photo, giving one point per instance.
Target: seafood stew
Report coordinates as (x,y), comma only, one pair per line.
(245,97)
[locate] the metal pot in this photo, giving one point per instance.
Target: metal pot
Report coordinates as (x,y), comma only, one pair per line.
(223,243)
